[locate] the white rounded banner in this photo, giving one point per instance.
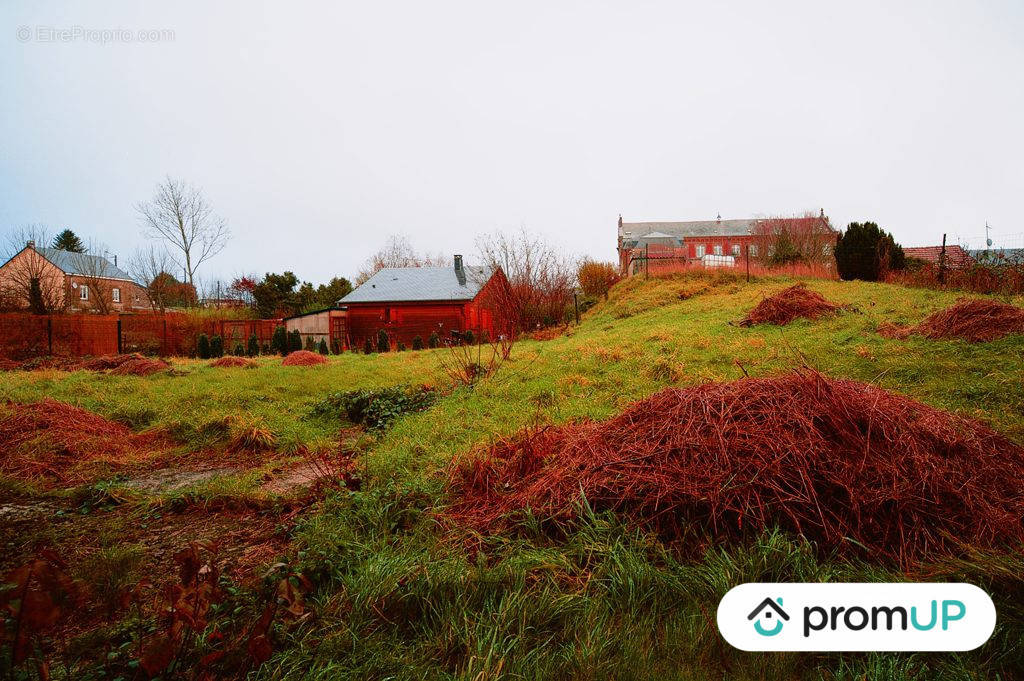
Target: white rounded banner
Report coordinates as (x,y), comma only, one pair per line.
(856,617)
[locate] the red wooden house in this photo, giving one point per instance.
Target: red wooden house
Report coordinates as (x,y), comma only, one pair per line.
(417,301)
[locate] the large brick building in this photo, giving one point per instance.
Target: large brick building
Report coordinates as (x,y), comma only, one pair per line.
(57,280)
(718,242)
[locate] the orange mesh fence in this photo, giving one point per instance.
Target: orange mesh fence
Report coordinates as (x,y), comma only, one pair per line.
(25,335)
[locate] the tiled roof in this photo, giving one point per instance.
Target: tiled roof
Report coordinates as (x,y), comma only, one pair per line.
(83,264)
(417,284)
(955,256)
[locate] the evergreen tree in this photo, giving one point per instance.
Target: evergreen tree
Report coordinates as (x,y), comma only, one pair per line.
(322,348)
(383,342)
(468,337)
(864,251)
(203,346)
(254,346)
(68,241)
(216,347)
(294,341)
(417,343)
(239,349)
(279,341)
(435,340)
(368,346)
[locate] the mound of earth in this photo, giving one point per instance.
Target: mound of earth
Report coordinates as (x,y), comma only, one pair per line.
(978,320)
(847,465)
(303,358)
(795,302)
(234,362)
(142,366)
(107,362)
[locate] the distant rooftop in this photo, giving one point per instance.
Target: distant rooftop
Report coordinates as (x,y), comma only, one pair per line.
(83,264)
(418,284)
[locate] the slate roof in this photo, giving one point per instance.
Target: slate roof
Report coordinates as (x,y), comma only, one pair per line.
(83,264)
(418,284)
(955,256)
(695,228)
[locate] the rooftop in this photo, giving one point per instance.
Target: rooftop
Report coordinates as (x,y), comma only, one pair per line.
(416,284)
(83,264)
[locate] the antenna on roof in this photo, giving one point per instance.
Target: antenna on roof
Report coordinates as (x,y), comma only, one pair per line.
(988,241)
(719,217)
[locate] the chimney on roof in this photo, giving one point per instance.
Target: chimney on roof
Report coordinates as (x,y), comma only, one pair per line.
(30,244)
(115,260)
(460,273)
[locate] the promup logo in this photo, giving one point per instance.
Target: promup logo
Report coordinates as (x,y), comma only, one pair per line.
(861,617)
(765,611)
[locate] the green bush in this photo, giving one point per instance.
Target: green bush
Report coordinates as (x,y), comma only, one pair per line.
(865,251)
(383,342)
(376,408)
(336,346)
(294,341)
(203,346)
(368,346)
(216,347)
(254,346)
(469,337)
(310,344)
(279,341)
(435,340)
(485,337)
(417,343)
(322,348)
(400,346)
(239,349)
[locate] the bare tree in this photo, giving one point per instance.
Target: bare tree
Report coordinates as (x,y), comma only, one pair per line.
(30,280)
(180,215)
(540,279)
(808,238)
(149,267)
(397,252)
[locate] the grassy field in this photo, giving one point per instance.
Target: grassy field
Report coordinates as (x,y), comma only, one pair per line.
(396,593)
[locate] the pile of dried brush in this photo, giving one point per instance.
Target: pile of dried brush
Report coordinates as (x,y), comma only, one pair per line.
(107,362)
(795,302)
(976,320)
(847,465)
(142,366)
(303,358)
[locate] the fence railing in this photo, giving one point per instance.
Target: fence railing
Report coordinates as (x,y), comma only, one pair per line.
(25,335)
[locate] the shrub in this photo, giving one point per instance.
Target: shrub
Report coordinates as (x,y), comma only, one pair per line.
(864,251)
(468,337)
(368,346)
(203,346)
(216,347)
(596,278)
(310,344)
(485,337)
(435,340)
(322,348)
(336,346)
(254,346)
(417,343)
(376,408)
(383,342)
(239,349)
(294,341)
(279,341)
(400,346)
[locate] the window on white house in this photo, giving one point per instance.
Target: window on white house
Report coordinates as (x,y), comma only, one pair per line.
(116,295)
(701,250)
(718,249)
(752,250)
(736,250)
(83,292)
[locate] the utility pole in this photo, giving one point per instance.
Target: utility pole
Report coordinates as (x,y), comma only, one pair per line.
(942,261)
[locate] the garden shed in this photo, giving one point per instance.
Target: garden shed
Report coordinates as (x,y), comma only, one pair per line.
(407,302)
(327,324)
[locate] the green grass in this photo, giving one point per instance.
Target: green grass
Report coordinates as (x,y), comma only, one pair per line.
(399,595)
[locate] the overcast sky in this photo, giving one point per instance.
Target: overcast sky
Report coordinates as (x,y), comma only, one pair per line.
(318,128)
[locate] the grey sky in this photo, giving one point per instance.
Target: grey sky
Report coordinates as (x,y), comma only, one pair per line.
(317,129)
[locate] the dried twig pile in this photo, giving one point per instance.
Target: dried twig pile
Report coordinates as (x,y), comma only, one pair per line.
(978,320)
(52,439)
(143,366)
(303,358)
(238,362)
(107,362)
(847,465)
(792,303)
